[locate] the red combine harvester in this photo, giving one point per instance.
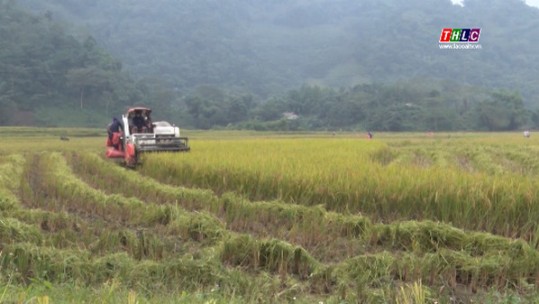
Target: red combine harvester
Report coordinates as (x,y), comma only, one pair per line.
(139,134)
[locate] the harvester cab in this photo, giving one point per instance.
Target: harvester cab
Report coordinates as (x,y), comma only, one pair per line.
(140,134)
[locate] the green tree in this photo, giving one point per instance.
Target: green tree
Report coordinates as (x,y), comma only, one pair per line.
(89,81)
(504,111)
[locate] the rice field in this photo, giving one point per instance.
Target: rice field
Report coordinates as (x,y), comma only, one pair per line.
(271,218)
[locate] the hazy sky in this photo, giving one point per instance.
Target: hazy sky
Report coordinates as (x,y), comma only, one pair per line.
(533,2)
(529,2)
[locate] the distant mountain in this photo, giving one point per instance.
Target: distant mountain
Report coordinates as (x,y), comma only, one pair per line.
(269,46)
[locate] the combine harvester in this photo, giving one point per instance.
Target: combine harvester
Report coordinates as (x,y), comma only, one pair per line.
(141,135)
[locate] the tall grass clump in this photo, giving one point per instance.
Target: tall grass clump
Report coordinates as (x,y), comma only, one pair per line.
(13,231)
(11,170)
(412,294)
(268,255)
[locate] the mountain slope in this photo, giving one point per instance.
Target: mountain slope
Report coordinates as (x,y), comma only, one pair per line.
(266,47)
(50,77)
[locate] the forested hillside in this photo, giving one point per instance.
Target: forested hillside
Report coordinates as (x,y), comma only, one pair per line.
(267,47)
(338,64)
(49,77)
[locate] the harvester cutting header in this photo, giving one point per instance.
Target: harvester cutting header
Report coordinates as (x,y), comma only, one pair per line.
(136,133)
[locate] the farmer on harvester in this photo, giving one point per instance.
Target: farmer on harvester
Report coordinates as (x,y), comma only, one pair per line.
(114,127)
(139,123)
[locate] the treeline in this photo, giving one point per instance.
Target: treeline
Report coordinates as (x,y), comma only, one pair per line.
(410,106)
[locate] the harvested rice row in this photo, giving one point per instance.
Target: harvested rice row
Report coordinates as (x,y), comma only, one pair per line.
(11,170)
(516,268)
(333,236)
(53,187)
(352,278)
(312,225)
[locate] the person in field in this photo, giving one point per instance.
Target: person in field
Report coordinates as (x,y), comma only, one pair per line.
(114,126)
(139,122)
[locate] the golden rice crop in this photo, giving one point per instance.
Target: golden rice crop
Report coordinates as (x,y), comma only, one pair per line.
(356,175)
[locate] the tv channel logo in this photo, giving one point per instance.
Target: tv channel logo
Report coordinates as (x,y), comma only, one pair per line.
(460,35)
